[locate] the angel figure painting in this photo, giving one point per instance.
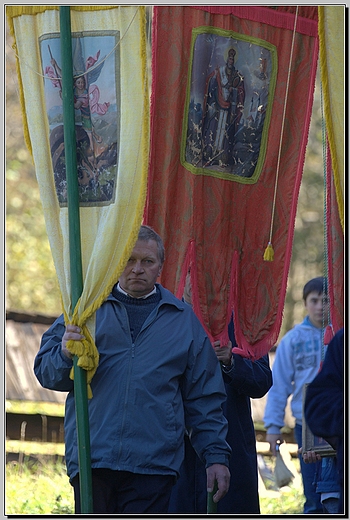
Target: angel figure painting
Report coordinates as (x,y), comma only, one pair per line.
(96,103)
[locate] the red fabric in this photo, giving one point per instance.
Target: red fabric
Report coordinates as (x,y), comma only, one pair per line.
(218,227)
(335,248)
(307,16)
(328,335)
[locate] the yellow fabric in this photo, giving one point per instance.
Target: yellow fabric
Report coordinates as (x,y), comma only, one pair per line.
(108,232)
(331,33)
(18,10)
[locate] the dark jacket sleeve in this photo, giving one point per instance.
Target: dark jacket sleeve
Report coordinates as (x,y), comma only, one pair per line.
(324,400)
(51,367)
(251,378)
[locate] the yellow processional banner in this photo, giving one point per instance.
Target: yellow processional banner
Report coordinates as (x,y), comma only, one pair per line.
(332,59)
(111,103)
(331,28)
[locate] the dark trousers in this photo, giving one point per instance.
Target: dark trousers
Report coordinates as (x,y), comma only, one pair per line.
(125,492)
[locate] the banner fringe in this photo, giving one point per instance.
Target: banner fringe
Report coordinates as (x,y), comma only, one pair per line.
(328,112)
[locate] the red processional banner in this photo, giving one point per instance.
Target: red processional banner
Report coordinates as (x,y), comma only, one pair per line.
(232,93)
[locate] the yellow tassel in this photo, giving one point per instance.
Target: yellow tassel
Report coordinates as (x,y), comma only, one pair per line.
(269,253)
(75,347)
(84,362)
(88,357)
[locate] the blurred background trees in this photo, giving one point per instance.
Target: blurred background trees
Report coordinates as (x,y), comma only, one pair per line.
(308,245)
(31,282)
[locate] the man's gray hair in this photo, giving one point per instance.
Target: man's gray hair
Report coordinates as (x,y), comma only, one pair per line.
(147,233)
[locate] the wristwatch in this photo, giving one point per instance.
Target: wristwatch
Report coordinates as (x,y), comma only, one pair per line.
(228,367)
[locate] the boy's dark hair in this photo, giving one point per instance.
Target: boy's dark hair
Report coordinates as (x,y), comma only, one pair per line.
(318,284)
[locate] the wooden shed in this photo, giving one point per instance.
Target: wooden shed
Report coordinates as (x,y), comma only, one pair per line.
(23,334)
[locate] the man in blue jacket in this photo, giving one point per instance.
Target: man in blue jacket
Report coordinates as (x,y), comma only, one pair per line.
(157,373)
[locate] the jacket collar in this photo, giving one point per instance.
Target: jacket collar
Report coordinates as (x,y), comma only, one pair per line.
(166,298)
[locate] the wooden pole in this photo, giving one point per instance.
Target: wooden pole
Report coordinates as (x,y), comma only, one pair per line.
(76,271)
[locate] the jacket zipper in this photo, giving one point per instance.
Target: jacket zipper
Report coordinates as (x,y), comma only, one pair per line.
(128,378)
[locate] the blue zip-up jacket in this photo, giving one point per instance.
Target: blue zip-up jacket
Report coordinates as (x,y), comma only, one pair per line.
(144,393)
(297,361)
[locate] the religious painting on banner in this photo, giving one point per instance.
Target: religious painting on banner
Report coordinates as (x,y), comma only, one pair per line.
(232,93)
(232,79)
(96,102)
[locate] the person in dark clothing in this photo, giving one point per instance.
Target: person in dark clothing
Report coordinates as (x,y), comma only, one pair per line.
(243,379)
(324,404)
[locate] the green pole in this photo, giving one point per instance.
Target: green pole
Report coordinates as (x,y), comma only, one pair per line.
(76,271)
(211,505)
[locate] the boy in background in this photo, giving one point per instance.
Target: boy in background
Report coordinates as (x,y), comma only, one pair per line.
(298,359)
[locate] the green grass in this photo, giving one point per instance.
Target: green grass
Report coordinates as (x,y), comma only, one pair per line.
(287,500)
(287,503)
(37,489)
(42,488)
(35,407)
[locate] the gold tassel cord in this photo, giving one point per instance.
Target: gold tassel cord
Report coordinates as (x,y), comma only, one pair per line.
(269,252)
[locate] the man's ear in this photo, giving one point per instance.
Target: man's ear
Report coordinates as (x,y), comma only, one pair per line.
(160,270)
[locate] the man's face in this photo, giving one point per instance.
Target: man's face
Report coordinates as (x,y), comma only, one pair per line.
(142,269)
(317,309)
